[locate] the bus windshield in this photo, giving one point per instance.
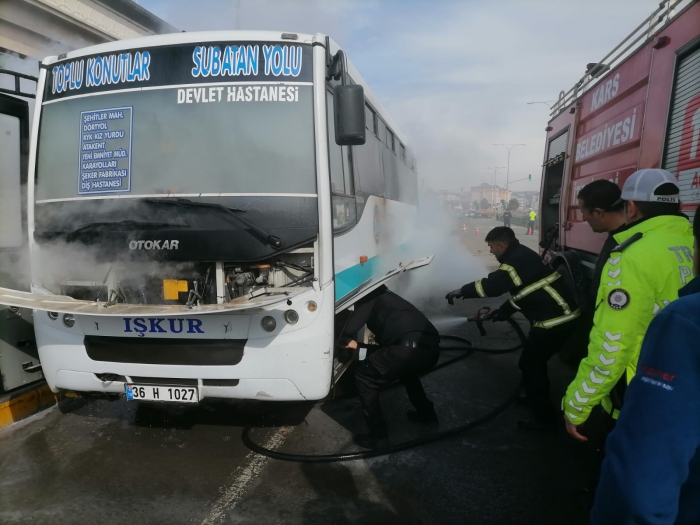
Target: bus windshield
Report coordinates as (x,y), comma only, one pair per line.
(222,135)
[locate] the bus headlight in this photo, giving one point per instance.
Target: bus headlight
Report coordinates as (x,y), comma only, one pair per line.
(269,323)
(291,317)
(52,315)
(69,320)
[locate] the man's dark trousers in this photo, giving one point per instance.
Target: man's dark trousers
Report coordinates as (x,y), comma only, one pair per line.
(540,346)
(386,365)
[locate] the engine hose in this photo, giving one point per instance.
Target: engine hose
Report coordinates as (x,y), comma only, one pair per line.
(383,451)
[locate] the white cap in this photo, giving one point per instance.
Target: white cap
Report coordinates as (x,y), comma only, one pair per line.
(641,186)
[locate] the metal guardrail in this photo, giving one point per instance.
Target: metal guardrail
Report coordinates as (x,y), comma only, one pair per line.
(18,90)
(662,16)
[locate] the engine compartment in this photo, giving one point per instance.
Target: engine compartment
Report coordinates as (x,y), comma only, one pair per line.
(192,284)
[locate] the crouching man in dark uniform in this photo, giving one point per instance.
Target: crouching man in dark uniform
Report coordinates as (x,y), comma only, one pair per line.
(539,293)
(407,345)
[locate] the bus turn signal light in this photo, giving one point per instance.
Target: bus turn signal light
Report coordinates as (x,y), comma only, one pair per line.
(363,259)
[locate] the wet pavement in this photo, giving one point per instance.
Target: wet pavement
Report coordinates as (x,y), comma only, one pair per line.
(99,461)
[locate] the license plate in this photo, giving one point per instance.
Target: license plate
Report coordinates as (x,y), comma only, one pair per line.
(178,394)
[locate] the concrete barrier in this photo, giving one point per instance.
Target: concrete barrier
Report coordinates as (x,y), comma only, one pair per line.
(25,402)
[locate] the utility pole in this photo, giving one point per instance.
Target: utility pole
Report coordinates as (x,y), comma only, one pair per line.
(509,147)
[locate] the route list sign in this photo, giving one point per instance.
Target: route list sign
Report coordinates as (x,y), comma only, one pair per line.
(105,151)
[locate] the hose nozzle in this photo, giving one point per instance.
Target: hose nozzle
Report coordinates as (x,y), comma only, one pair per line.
(481,316)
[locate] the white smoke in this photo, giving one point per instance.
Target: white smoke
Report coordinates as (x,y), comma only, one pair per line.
(452,266)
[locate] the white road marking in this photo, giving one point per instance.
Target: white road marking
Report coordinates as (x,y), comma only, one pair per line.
(244,476)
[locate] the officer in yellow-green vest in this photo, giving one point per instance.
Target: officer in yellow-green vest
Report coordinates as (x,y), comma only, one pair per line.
(532,215)
(652,261)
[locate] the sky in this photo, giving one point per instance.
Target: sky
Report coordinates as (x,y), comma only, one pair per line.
(455,75)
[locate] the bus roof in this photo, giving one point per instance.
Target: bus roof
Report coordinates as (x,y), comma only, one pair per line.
(181,38)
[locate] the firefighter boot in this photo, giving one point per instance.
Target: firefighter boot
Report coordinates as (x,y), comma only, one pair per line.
(523,400)
(424,415)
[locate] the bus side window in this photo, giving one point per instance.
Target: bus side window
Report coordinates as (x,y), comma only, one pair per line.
(342,184)
(370,120)
(390,139)
(381,130)
(344,212)
(367,158)
(335,152)
(402,151)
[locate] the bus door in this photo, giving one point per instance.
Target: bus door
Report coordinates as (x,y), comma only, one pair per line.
(19,361)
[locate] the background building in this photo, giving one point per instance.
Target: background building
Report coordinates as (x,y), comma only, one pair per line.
(450,200)
(492,193)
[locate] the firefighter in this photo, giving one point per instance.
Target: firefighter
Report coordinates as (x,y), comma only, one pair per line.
(533,216)
(652,261)
(407,345)
(507,215)
(541,295)
(652,470)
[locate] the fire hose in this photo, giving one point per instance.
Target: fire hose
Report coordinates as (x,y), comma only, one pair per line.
(482,316)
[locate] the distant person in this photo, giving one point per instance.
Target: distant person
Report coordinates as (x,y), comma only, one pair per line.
(507,215)
(652,261)
(539,293)
(533,216)
(407,345)
(651,473)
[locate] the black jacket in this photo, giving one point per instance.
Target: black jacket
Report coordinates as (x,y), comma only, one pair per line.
(391,319)
(605,252)
(536,290)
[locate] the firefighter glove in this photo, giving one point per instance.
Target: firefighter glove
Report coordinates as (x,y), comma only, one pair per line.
(454,294)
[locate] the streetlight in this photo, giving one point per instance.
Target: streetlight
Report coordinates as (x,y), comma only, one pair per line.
(493,185)
(547,102)
(509,147)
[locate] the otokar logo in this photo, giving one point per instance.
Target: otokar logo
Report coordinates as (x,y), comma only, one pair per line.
(150,325)
(154,245)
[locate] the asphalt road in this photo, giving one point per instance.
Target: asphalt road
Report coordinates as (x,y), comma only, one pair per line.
(92,462)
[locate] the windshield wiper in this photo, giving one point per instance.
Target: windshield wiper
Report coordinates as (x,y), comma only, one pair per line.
(132,225)
(258,232)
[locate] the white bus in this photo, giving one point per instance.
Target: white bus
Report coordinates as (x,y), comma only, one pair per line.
(201,206)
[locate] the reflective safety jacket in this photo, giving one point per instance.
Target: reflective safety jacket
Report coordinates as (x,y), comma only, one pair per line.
(536,290)
(533,215)
(652,262)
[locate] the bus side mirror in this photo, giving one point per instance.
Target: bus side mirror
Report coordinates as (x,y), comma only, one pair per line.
(349,109)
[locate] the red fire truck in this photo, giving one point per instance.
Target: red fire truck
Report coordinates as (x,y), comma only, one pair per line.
(639,107)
